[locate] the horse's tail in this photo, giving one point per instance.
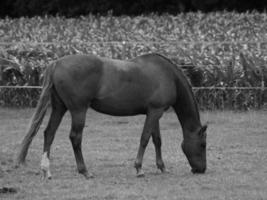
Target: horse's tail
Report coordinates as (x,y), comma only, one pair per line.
(38,115)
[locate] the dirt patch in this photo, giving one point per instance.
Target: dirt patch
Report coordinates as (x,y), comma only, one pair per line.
(8,190)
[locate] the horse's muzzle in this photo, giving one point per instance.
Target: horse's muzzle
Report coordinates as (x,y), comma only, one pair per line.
(198,171)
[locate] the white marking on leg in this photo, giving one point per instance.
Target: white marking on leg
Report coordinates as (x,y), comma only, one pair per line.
(45,166)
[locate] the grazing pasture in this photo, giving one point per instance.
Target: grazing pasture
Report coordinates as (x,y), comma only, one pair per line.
(236,154)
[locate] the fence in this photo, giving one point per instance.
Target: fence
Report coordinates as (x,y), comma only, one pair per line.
(221,94)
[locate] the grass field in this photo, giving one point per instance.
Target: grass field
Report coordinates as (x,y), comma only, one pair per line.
(236,151)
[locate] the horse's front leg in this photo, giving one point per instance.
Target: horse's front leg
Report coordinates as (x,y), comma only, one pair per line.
(143,143)
(151,126)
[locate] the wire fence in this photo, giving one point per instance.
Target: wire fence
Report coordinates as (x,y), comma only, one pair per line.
(123,42)
(194,88)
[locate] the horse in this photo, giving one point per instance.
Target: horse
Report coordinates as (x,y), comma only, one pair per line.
(148,84)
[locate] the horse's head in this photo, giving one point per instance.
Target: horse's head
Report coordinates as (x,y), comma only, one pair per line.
(195,150)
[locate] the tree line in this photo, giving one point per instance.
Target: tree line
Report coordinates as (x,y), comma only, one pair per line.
(72,8)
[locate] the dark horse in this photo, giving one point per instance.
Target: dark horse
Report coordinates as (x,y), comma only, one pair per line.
(147,84)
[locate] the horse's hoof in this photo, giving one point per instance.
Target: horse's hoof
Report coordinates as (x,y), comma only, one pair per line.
(163,170)
(45,175)
(89,175)
(161,167)
(17,164)
(140,174)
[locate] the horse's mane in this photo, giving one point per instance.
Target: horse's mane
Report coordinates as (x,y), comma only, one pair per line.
(169,60)
(183,75)
(174,66)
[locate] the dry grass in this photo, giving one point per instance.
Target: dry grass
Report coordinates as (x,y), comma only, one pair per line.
(237,158)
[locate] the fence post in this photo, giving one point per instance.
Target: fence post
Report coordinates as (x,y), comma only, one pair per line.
(123,50)
(261,103)
(262,89)
(1,75)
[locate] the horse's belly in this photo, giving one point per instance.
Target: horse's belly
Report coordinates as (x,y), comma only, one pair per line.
(118,108)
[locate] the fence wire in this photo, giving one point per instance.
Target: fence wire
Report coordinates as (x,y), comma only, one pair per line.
(194,88)
(123,42)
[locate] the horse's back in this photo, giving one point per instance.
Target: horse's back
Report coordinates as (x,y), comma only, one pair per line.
(139,83)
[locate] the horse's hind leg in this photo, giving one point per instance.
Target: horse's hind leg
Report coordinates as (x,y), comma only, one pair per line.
(150,128)
(78,121)
(58,111)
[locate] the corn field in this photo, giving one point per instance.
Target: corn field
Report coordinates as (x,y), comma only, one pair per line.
(223,54)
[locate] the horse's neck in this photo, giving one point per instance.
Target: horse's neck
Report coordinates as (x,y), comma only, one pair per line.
(186,107)
(188,117)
